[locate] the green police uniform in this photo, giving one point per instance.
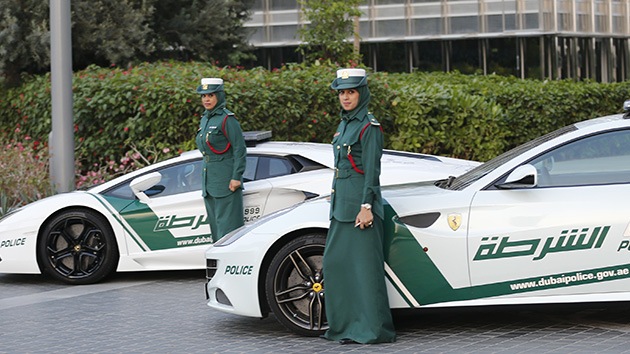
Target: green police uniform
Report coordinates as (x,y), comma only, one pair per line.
(220,140)
(357,307)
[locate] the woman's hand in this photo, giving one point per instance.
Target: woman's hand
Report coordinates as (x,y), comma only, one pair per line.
(234,185)
(364,218)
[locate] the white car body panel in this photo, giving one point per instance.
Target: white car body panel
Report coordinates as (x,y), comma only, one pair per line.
(526,216)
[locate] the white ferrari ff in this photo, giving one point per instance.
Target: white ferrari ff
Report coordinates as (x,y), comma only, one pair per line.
(547,222)
(154,218)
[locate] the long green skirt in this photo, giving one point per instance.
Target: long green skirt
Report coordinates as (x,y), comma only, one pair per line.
(224,214)
(357,307)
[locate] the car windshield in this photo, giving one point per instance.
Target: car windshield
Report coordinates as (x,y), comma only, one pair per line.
(476,173)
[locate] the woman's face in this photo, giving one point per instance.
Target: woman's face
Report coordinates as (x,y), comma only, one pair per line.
(209,100)
(349,99)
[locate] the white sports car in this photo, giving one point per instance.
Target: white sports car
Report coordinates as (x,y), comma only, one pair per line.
(547,222)
(155,219)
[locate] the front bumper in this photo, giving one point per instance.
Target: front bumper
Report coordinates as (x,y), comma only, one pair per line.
(232,281)
(18,249)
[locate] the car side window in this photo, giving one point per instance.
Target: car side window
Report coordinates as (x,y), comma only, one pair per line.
(250,168)
(176,179)
(269,167)
(594,160)
(181,178)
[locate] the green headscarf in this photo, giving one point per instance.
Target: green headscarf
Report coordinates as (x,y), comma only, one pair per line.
(353,79)
(213,85)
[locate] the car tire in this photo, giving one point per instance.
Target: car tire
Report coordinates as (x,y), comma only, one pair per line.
(295,285)
(78,247)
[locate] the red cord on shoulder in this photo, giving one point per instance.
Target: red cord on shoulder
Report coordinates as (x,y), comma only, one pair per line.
(227,147)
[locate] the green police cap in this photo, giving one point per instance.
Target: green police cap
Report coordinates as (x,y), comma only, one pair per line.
(349,78)
(210,85)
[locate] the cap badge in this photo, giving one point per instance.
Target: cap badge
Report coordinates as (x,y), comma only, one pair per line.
(205,87)
(344,74)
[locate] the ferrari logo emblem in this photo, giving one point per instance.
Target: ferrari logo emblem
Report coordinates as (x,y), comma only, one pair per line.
(344,74)
(317,287)
(205,87)
(454,221)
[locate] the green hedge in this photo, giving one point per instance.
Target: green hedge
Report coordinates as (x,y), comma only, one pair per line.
(153,107)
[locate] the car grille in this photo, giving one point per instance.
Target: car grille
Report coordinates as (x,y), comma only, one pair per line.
(211,268)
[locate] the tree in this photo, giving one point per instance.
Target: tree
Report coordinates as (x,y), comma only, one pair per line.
(24,38)
(106,32)
(208,30)
(330,23)
(121,32)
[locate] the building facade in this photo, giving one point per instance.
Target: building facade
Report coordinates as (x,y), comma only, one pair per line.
(546,39)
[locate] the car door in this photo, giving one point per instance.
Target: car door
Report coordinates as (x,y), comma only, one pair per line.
(568,234)
(174,216)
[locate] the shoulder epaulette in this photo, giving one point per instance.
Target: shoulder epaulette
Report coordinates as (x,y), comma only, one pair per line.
(373,120)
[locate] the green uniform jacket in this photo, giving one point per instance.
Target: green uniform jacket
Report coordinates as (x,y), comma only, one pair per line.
(351,188)
(220,168)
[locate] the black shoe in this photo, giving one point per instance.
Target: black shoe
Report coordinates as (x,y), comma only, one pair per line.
(347,341)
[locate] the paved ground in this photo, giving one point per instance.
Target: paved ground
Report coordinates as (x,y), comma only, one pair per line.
(165,312)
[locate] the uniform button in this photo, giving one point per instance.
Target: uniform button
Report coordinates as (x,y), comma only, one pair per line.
(345,144)
(332,191)
(338,147)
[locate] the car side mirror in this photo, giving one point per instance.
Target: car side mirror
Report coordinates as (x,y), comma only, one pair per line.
(524,176)
(143,183)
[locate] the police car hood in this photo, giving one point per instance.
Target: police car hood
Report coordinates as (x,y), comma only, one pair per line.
(412,190)
(415,198)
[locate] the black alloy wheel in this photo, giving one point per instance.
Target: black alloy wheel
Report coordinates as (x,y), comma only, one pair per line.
(78,247)
(295,285)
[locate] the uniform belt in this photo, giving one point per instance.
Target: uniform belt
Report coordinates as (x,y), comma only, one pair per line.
(345,172)
(208,158)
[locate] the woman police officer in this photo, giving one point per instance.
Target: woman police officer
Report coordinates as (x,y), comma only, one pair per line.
(220,140)
(357,307)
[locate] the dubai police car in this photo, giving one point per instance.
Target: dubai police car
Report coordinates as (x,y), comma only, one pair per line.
(547,222)
(155,219)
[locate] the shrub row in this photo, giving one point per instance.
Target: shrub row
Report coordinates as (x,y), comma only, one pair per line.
(153,107)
